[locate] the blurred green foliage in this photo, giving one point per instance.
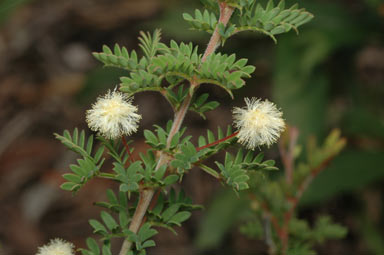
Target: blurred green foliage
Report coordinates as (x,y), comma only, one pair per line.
(98,80)
(303,88)
(314,71)
(349,172)
(215,225)
(301,79)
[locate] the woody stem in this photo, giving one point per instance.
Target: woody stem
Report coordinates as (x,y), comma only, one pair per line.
(146,195)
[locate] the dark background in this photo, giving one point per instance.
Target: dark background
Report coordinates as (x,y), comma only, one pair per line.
(330,76)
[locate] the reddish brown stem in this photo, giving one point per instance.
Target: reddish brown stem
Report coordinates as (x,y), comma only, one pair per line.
(268,213)
(314,172)
(287,154)
(225,14)
(273,219)
(284,233)
(127,148)
(217,142)
(284,236)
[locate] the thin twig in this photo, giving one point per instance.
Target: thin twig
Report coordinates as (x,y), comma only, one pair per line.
(127,148)
(287,154)
(288,157)
(284,237)
(314,172)
(217,142)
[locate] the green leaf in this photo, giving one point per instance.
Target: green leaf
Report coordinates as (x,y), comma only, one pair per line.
(129,177)
(146,232)
(111,196)
(88,166)
(151,138)
(123,219)
(92,245)
(253,229)
(300,229)
(180,217)
(89,144)
(272,20)
(72,177)
(169,212)
(159,174)
(325,229)
(220,69)
(108,220)
(119,58)
(106,249)
(201,107)
(205,21)
(69,186)
(159,206)
(149,243)
(98,227)
(150,45)
(171,179)
(233,174)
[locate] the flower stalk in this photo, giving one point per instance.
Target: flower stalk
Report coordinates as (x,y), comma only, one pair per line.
(217,142)
(127,148)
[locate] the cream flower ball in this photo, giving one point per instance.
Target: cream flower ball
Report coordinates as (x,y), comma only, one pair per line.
(113,115)
(56,247)
(259,123)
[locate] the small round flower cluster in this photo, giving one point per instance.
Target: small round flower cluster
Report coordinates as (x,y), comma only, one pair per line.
(113,115)
(259,123)
(56,247)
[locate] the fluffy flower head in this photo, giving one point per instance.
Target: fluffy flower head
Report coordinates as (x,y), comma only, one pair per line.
(259,123)
(56,247)
(113,115)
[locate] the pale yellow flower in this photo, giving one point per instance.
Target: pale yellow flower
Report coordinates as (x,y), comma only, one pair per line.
(259,123)
(56,247)
(113,115)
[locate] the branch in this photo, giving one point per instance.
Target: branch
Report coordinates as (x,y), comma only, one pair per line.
(284,237)
(127,149)
(225,15)
(314,172)
(146,195)
(217,142)
(144,200)
(287,154)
